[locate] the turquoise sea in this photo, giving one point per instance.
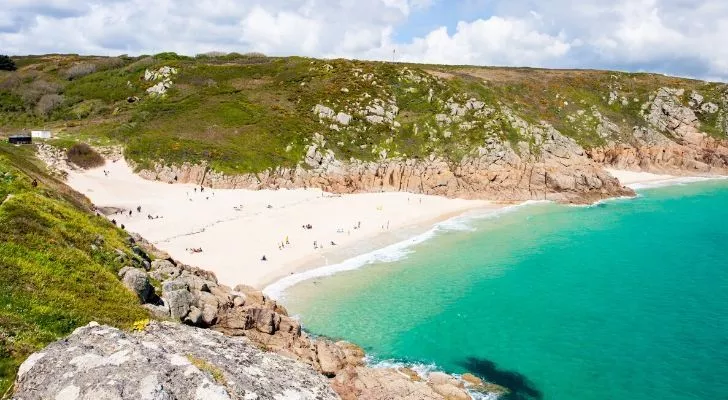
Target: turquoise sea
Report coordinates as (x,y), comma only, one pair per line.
(627,299)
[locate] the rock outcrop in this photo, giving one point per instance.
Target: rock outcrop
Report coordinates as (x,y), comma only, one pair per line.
(672,141)
(192,296)
(559,171)
(164,361)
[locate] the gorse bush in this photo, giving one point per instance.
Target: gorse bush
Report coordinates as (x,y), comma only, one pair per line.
(48,103)
(32,93)
(84,156)
(7,63)
(80,70)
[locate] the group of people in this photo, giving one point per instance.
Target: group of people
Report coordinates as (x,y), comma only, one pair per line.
(317,246)
(282,245)
(194,250)
(202,190)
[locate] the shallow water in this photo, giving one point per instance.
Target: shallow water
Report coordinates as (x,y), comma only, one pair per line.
(626,299)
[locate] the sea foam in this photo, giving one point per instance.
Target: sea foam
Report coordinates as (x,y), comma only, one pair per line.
(674,181)
(392,253)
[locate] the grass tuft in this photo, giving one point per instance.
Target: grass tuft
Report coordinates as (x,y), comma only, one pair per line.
(84,156)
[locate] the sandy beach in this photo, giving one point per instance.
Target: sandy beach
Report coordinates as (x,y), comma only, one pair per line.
(235,228)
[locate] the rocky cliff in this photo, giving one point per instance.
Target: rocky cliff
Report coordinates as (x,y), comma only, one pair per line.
(667,136)
(219,343)
(561,171)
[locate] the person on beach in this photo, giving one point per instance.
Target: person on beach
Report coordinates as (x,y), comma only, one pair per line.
(130,213)
(139,208)
(263,258)
(113,221)
(122,226)
(287,242)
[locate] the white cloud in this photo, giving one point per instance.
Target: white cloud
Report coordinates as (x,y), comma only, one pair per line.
(284,31)
(492,41)
(675,36)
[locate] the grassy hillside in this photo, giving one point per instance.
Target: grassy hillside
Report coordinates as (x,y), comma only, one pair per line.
(57,263)
(249,113)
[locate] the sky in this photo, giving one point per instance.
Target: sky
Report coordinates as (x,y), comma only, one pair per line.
(675,37)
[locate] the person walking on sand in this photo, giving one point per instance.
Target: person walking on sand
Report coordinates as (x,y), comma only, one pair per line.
(287,242)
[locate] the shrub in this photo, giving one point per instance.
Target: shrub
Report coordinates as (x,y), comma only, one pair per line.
(84,156)
(80,70)
(211,54)
(7,63)
(170,56)
(140,64)
(11,82)
(109,63)
(48,103)
(33,92)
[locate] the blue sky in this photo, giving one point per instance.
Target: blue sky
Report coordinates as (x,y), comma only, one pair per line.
(678,37)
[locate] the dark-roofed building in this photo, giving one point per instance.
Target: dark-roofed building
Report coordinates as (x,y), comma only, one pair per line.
(20,139)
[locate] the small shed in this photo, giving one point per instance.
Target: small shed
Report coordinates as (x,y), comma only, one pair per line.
(20,139)
(40,134)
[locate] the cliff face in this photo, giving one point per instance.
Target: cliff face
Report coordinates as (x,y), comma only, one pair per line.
(561,172)
(672,142)
(552,167)
(545,164)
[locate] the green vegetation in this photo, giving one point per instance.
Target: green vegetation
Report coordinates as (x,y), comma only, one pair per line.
(84,156)
(244,113)
(7,63)
(57,263)
(214,372)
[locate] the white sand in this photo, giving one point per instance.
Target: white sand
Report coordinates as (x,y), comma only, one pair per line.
(634,178)
(235,228)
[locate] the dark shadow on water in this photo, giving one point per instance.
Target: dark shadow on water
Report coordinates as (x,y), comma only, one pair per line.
(520,386)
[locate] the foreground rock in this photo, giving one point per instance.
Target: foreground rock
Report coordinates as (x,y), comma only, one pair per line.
(164,361)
